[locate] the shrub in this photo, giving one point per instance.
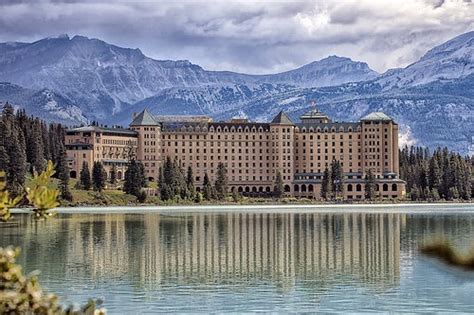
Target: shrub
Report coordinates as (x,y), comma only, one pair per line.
(20,294)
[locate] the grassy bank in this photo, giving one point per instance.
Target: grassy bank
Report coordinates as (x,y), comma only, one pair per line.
(116,197)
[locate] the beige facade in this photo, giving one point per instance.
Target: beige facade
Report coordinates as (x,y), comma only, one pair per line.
(107,145)
(253,153)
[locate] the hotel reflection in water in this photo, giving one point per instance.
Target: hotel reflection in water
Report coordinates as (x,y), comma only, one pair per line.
(155,249)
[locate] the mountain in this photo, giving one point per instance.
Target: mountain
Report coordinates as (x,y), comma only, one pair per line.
(432,99)
(43,103)
(104,79)
(329,71)
(452,60)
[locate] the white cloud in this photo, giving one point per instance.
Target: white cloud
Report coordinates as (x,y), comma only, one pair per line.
(248,36)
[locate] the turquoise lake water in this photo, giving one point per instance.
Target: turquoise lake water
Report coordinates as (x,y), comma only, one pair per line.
(299,260)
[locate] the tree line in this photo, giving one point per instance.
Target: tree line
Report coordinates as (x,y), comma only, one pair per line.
(174,182)
(442,174)
(26,144)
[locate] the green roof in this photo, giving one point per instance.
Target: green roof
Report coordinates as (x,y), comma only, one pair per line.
(282,119)
(377,116)
(144,119)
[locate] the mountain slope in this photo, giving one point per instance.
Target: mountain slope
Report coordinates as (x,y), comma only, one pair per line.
(43,103)
(329,71)
(452,60)
(104,79)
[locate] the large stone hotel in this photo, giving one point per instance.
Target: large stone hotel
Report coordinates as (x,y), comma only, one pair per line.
(253,152)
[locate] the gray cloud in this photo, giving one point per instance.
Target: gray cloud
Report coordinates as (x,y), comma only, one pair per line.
(246,36)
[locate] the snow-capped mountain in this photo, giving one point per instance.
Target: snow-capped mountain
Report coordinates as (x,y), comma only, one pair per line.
(42,103)
(432,99)
(452,60)
(104,79)
(329,71)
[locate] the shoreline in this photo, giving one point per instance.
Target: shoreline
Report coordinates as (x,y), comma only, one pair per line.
(448,207)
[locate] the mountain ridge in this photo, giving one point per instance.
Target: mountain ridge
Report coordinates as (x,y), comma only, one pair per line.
(108,83)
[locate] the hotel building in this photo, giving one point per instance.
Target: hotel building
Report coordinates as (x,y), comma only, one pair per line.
(252,152)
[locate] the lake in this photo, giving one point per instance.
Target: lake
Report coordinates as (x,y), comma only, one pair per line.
(326,259)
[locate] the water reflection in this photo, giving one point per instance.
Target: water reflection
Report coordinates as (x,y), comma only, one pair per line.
(242,261)
(153,249)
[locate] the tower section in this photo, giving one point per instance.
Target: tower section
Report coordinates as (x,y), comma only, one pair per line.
(149,143)
(282,131)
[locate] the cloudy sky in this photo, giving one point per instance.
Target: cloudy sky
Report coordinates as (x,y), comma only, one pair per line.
(249,36)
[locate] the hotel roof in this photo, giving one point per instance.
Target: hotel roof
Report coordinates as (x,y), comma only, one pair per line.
(282,119)
(121,131)
(377,116)
(144,119)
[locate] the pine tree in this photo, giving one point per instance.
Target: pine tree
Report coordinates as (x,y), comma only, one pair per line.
(369,185)
(34,147)
(278,189)
(435,194)
(99,177)
(62,171)
(17,162)
(326,187)
(414,193)
(190,183)
(135,180)
(4,156)
(162,186)
(423,177)
(453,193)
(221,182)
(207,188)
(141,175)
(434,176)
(113,175)
(130,185)
(337,178)
(441,173)
(85,177)
(169,179)
(179,180)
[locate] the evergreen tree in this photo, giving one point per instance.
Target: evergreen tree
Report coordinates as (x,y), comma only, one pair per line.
(99,177)
(337,178)
(179,180)
(135,180)
(85,176)
(113,175)
(369,185)
(423,177)
(62,170)
(16,173)
(440,172)
(221,182)
(207,188)
(142,182)
(34,147)
(326,186)
(434,176)
(4,155)
(165,193)
(169,179)
(130,185)
(453,193)
(278,189)
(414,194)
(190,183)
